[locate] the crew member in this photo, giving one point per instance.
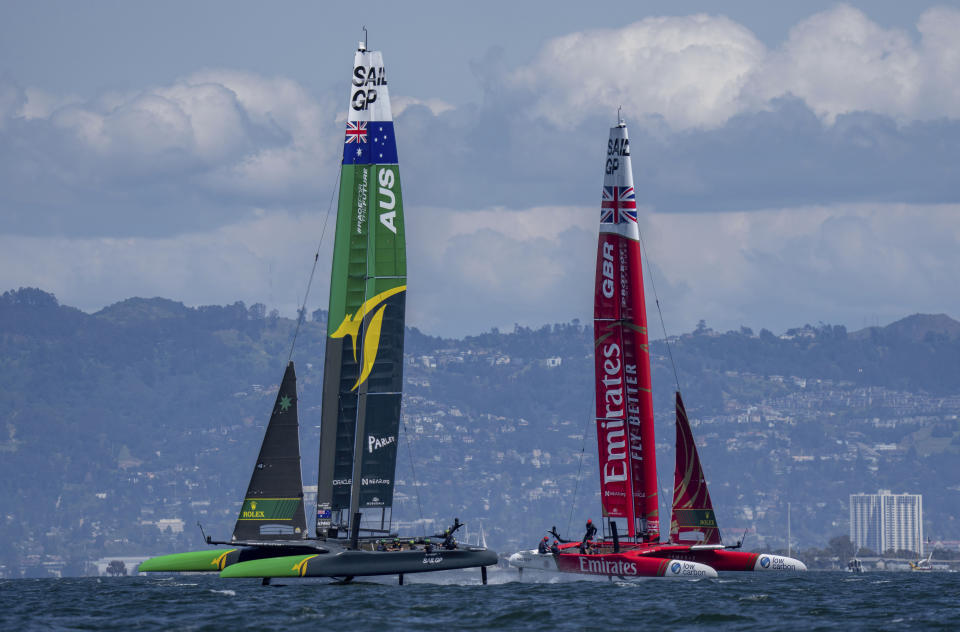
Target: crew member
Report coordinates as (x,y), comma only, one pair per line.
(591,531)
(542,548)
(448,542)
(381,546)
(428,546)
(555,548)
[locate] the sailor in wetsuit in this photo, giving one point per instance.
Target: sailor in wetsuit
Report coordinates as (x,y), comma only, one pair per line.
(448,542)
(543,548)
(381,546)
(555,548)
(591,531)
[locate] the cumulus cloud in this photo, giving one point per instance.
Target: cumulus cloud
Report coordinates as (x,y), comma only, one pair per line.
(840,61)
(471,270)
(801,265)
(212,188)
(436,106)
(689,70)
(699,71)
(263,259)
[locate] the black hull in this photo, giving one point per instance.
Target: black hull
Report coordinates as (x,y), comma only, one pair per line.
(366,563)
(363,563)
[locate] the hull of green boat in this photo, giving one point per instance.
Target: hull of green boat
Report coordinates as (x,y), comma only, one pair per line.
(362,563)
(213,560)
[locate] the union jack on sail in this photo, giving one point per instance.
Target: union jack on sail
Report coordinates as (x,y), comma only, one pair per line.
(619,204)
(356,132)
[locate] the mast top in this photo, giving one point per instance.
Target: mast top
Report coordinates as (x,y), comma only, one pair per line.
(362,46)
(620,122)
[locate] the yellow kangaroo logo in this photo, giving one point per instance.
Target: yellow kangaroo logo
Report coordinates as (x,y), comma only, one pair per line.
(221,560)
(301,566)
(371,341)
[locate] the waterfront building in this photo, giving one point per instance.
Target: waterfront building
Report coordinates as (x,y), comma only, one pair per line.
(885,521)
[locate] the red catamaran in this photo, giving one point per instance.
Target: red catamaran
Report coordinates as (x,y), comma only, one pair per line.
(625,430)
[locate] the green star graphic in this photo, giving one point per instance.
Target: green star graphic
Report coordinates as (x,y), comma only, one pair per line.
(285,403)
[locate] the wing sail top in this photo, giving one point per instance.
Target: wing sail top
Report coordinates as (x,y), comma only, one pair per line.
(624,403)
(692,518)
(364,357)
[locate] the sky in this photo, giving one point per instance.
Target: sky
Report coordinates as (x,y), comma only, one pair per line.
(794,162)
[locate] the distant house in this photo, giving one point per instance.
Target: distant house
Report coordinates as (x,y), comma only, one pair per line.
(175,525)
(553,362)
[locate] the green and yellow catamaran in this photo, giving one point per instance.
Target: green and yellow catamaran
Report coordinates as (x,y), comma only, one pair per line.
(362,389)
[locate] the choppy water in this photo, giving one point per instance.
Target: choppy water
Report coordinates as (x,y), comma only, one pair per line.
(815,600)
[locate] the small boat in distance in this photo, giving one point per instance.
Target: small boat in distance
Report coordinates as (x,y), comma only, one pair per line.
(362,390)
(630,544)
(922,566)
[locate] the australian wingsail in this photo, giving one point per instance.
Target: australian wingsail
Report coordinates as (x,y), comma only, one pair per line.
(631,543)
(362,390)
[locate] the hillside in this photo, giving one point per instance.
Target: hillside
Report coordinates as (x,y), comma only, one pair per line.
(119,424)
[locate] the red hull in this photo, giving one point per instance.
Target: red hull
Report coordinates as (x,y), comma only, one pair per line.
(624,564)
(719,559)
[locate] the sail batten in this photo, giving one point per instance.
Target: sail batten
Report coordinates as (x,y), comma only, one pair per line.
(624,404)
(364,357)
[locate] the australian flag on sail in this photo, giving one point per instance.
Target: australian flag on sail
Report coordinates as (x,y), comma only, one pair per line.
(369,142)
(619,205)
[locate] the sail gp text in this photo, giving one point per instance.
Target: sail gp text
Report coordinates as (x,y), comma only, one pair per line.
(365,80)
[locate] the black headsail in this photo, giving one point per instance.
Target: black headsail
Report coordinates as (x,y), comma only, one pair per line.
(273,506)
(363,370)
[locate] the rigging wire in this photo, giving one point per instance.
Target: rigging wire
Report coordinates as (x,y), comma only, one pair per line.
(656,298)
(576,487)
(301,313)
(646,255)
(413,471)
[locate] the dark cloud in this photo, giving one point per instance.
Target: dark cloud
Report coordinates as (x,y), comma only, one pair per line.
(785,156)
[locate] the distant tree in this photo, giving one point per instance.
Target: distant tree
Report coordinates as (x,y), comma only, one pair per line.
(30,296)
(319,315)
(257,311)
(746,331)
(116,568)
(841,547)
